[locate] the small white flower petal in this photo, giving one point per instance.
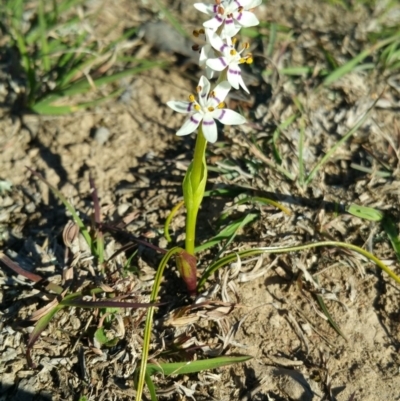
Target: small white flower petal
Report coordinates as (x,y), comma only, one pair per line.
(221,91)
(215,41)
(228,117)
(246,19)
(209,72)
(190,124)
(205,85)
(206,52)
(204,8)
(210,131)
(229,31)
(242,84)
(180,106)
(217,64)
(214,23)
(233,76)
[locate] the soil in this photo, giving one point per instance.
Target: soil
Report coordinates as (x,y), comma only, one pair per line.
(267,307)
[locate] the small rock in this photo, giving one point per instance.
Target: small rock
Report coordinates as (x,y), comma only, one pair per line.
(123,208)
(101,135)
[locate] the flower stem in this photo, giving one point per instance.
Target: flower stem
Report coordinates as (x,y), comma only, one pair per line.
(196,177)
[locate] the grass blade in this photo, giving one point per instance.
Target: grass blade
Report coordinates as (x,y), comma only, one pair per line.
(83,85)
(149,321)
(329,317)
(48,109)
(229,232)
(277,133)
(38,329)
(18,269)
(151,387)
(351,132)
(43,37)
(271,39)
(352,64)
(301,152)
(169,219)
(277,250)
(264,201)
(171,19)
(97,220)
(80,303)
(389,226)
(184,368)
(365,212)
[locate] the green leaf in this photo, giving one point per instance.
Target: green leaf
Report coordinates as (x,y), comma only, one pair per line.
(48,109)
(151,387)
(352,64)
(142,375)
(365,212)
(329,317)
(325,310)
(229,232)
(171,19)
(40,325)
(43,37)
(211,269)
(333,149)
(194,195)
(101,337)
(390,228)
(277,134)
(184,368)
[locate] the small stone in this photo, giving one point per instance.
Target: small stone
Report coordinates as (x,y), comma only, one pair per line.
(101,135)
(30,207)
(123,208)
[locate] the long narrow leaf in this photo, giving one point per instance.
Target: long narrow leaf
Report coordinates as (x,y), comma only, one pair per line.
(149,321)
(390,229)
(329,317)
(171,19)
(84,85)
(350,65)
(331,151)
(18,269)
(277,250)
(48,109)
(151,387)
(184,368)
(80,303)
(228,231)
(38,329)
(43,37)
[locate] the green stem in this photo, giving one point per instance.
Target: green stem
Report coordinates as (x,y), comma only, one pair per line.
(195,178)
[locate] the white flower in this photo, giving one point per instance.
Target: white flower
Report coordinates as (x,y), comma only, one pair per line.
(230,60)
(232,14)
(209,108)
(206,53)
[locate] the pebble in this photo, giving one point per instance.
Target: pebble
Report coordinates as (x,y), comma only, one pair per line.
(101,135)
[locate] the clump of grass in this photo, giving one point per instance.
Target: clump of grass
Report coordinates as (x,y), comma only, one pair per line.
(61,60)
